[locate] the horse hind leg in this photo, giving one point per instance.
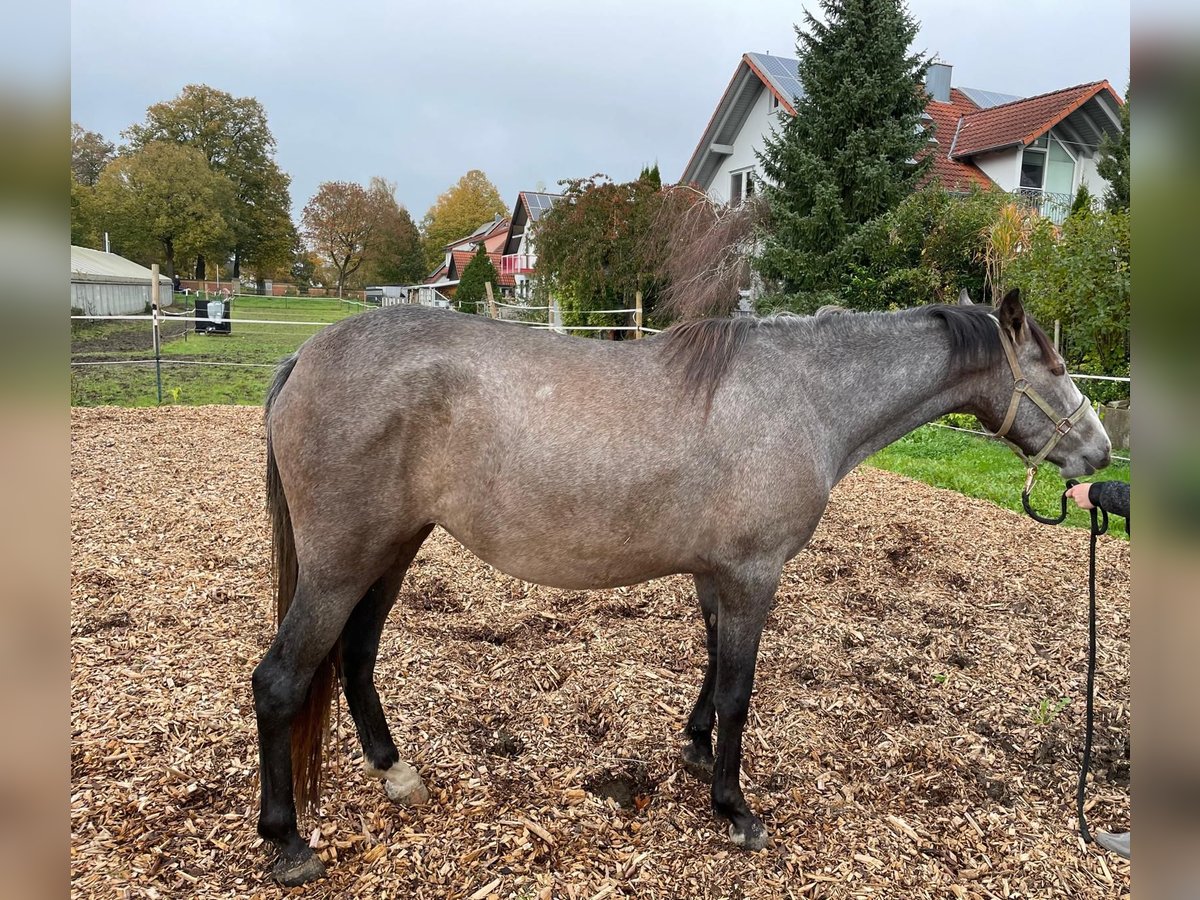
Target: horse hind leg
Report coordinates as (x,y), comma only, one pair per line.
(360,649)
(697,753)
(281,685)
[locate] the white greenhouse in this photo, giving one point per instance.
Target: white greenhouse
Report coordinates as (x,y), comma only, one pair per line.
(104,284)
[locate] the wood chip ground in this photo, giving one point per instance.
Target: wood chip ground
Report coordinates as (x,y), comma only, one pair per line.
(905,738)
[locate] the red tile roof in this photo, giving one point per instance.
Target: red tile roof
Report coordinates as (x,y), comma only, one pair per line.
(1021,121)
(461,258)
(954,175)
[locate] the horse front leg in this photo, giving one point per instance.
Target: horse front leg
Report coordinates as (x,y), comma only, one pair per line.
(697,754)
(744,604)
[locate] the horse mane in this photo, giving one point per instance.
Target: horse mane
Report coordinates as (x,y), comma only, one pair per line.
(975,339)
(706,348)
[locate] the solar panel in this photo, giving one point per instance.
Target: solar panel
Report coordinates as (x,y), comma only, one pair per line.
(986,99)
(782,73)
(537,203)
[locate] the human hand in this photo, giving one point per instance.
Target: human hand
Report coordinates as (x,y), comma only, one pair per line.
(1079,493)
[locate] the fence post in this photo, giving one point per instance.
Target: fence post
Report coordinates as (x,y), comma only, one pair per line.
(637,314)
(487,286)
(154,297)
(1058,336)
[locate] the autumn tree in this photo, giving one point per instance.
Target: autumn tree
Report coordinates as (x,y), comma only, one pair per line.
(852,151)
(304,267)
(232,135)
(394,253)
(471,284)
(90,153)
(164,199)
(596,248)
(339,223)
(472,201)
(84,230)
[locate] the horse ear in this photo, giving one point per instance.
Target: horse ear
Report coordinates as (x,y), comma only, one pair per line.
(1012,314)
(964,299)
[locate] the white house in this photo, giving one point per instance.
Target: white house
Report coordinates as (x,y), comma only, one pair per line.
(519,258)
(1043,147)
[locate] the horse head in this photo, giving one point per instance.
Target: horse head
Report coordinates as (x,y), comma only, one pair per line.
(1030,402)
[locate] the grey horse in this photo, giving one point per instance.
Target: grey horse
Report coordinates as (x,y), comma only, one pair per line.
(514,440)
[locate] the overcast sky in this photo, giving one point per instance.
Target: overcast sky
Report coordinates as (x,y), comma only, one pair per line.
(530,91)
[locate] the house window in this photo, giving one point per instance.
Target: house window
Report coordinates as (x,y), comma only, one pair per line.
(774,101)
(1033,168)
(1047,166)
(741,186)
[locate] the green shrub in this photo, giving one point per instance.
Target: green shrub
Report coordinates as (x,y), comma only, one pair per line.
(1080,275)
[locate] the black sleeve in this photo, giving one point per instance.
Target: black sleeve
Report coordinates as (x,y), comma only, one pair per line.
(1110,496)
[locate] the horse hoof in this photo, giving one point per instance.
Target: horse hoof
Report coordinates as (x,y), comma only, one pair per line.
(697,763)
(291,872)
(407,795)
(752,836)
(402,784)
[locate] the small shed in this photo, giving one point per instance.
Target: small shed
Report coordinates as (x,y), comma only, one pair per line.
(104,284)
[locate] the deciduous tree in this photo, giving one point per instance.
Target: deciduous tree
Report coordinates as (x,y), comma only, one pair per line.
(164,199)
(596,247)
(90,153)
(83,216)
(472,201)
(338,223)
(851,151)
(394,253)
(234,138)
(1080,274)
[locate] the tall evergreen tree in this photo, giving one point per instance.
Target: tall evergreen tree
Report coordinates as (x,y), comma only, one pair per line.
(853,149)
(1113,164)
(471,290)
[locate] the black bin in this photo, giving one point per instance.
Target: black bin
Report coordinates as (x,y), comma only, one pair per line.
(214,320)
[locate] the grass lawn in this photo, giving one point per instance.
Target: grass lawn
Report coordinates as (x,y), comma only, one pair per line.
(979,467)
(255,348)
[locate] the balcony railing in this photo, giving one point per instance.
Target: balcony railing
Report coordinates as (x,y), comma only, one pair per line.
(1055,207)
(517,263)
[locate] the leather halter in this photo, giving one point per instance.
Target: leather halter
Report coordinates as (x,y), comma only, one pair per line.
(1022,388)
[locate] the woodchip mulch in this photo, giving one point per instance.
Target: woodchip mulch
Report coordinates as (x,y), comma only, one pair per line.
(899,744)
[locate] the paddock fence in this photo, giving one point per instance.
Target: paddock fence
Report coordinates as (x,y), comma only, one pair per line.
(175,356)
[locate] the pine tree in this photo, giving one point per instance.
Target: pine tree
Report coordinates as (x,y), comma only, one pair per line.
(1082,204)
(471,288)
(1113,163)
(651,176)
(853,149)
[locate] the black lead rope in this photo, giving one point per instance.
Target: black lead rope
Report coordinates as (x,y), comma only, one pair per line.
(1099,527)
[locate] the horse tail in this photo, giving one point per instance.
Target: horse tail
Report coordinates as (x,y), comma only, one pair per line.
(311,724)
